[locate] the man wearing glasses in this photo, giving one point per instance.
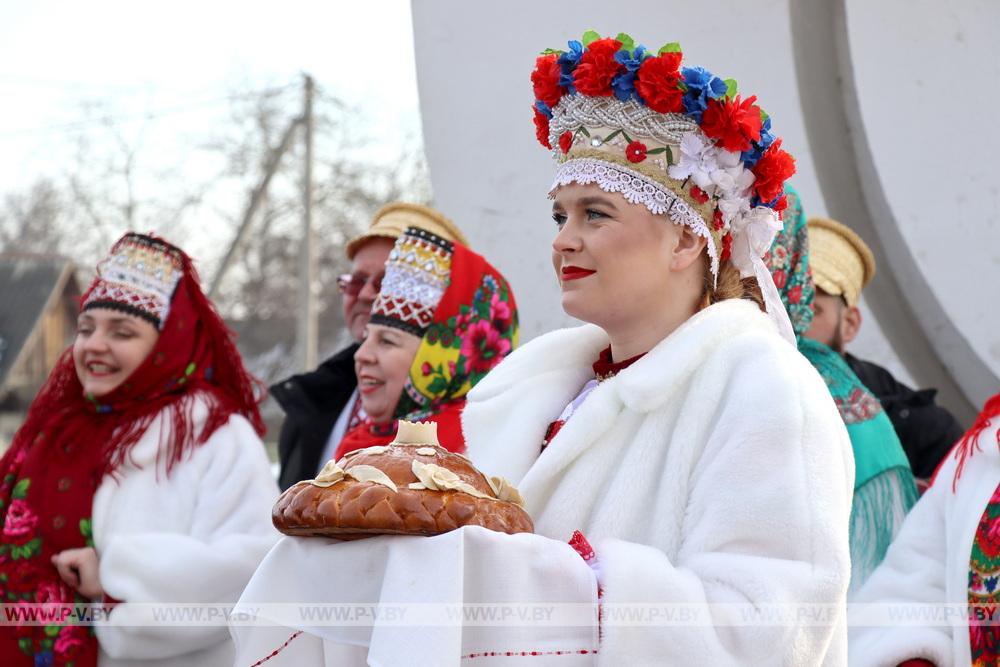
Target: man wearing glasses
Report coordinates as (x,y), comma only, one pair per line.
(322,405)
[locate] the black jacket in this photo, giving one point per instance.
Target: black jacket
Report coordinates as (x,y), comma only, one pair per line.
(926,430)
(312,402)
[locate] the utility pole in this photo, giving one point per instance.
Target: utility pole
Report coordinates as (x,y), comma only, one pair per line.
(306,330)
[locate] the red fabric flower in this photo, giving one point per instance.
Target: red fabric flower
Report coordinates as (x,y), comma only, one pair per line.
(22,576)
(635,151)
(69,644)
(542,128)
(51,592)
(734,122)
(717,221)
(781,205)
(727,247)
(597,67)
(795,294)
(566,141)
(771,171)
(545,80)
(699,195)
(426,368)
(483,347)
(657,81)
(20,523)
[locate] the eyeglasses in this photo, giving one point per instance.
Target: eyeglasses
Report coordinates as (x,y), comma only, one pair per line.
(351,285)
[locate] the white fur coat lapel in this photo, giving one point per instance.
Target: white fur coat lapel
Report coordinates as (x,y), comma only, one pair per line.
(538,380)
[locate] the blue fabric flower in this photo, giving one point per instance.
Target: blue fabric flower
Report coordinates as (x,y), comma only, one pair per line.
(623,84)
(702,86)
(543,108)
(753,156)
(568,62)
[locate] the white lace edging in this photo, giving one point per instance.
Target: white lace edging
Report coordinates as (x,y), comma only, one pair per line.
(637,189)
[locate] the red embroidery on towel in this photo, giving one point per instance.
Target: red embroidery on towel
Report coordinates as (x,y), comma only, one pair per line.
(277,650)
(527,654)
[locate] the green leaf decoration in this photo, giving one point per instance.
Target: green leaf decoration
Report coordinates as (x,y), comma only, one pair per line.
(24,643)
(589,37)
(21,489)
(670,156)
(437,385)
(730,87)
(627,138)
(52,630)
(548,52)
(584,131)
(612,136)
(656,151)
(672,47)
(627,42)
(763,115)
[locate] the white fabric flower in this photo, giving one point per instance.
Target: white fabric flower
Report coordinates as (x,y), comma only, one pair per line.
(697,160)
(753,233)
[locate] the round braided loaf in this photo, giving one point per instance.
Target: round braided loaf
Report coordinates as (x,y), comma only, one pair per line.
(351,509)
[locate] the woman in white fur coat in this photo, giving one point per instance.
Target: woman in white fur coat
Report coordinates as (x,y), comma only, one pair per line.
(695,448)
(138,477)
(943,565)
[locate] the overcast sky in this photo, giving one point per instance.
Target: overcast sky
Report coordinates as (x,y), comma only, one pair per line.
(181,59)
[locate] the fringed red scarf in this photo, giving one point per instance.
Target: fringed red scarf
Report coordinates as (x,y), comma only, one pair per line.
(969,443)
(69,443)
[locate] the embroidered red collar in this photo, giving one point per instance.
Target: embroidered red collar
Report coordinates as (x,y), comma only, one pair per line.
(605,368)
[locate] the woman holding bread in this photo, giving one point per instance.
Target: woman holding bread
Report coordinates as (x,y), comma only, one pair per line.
(679,432)
(138,476)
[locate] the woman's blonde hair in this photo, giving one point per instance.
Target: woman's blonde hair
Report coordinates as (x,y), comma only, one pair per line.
(729,286)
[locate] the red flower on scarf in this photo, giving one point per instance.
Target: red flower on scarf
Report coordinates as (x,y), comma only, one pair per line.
(51,592)
(483,347)
(545,80)
(20,524)
(795,294)
(542,129)
(771,171)
(597,67)
(780,279)
(22,576)
(70,643)
(426,368)
(636,151)
(500,313)
(733,122)
(566,141)
(989,537)
(657,81)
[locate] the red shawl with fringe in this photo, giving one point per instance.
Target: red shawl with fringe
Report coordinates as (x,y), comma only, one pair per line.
(67,445)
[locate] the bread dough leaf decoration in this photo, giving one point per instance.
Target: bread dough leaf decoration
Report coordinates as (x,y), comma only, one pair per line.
(505,491)
(364,473)
(437,478)
(329,475)
(426,451)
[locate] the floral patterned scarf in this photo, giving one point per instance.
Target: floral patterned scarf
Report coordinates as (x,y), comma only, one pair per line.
(70,442)
(474,326)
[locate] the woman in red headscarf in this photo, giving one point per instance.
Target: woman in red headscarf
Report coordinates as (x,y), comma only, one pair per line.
(443,318)
(138,475)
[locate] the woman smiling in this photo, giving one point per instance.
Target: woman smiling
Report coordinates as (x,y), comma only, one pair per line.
(443,318)
(138,476)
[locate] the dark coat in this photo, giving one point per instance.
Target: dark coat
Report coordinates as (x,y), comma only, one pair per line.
(312,402)
(926,430)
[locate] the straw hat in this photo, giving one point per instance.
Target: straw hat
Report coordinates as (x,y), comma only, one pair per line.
(392,220)
(842,264)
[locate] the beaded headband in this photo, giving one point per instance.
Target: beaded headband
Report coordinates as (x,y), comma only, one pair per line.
(679,141)
(138,277)
(416,277)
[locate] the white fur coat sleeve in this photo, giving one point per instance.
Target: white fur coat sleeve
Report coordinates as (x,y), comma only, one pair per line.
(196,535)
(715,470)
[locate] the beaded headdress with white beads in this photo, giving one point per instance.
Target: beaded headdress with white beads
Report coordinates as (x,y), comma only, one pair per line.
(138,277)
(416,277)
(678,140)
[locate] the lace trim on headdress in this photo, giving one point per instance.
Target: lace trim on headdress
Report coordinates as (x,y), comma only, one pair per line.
(637,189)
(574,111)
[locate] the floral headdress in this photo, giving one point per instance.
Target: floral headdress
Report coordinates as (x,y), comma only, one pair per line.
(678,140)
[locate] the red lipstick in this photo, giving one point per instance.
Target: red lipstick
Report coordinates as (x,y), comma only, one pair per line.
(575,273)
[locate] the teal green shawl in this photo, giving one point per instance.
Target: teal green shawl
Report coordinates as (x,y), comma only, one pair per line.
(884,489)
